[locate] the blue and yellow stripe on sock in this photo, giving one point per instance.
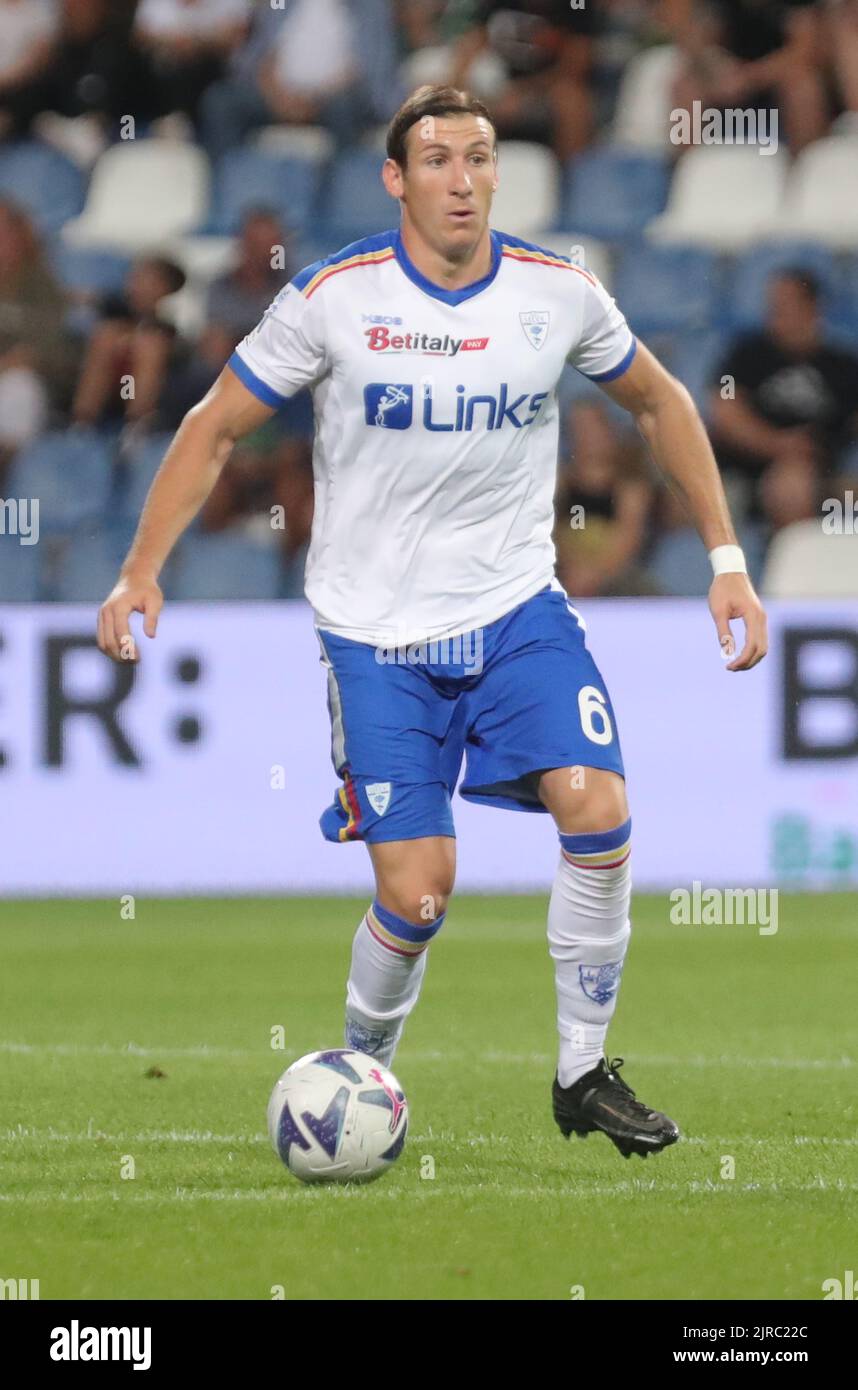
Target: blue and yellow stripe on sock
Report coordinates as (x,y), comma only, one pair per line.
(602,849)
(399,935)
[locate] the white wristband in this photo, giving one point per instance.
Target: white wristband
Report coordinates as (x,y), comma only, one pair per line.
(728,559)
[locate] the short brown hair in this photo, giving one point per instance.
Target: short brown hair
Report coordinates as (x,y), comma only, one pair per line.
(431,100)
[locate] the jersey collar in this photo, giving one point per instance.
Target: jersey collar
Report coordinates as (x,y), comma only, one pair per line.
(447,296)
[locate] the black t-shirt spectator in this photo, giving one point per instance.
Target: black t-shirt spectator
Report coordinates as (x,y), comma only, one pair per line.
(751,29)
(816,390)
(527,34)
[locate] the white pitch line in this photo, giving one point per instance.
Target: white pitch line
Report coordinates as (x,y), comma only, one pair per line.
(204,1052)
(172,1136)
(154,1136)
(669,1060)
(435,1188)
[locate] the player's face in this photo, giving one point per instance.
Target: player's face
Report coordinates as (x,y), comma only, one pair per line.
(449,179)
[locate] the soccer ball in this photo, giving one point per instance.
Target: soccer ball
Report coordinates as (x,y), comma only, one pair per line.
(337,1116)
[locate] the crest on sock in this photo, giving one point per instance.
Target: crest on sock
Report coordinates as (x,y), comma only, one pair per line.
(600,982)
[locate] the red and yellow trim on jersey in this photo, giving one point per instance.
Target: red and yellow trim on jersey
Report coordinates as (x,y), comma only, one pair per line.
(387,253)
(394,943)
(604,859)
(519,253)
(350,804)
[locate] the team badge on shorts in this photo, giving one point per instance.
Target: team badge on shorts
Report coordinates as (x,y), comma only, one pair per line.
(599,982)
(535,324)
(378,796)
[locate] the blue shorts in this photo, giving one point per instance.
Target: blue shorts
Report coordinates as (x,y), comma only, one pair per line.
(518,697)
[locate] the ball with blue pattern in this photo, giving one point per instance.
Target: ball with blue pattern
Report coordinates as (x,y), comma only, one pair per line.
(338,1116)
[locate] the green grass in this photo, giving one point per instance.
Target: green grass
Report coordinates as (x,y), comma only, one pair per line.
(748,1041)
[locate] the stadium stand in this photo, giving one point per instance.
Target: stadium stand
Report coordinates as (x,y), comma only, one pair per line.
(687,239)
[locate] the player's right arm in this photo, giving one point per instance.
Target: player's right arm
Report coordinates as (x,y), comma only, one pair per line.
(188,473)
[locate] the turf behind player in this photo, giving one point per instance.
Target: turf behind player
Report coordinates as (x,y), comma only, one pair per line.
(433,352)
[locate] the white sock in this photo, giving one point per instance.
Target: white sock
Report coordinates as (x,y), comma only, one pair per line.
(389,957)
(588,935)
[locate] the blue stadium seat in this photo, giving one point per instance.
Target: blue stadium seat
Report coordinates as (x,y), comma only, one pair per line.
(612,194)
(679,564)
(87,270)
(843,313)
(20,569)
(681,568)
(141,464)
(293,577)
(42,181)
(312,248)
(89,565)
(746,302)
(694,358)
(225,565)
(667,289)
(355,203)
(70,472)
(248,178)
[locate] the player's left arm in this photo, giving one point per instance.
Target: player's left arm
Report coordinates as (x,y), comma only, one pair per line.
(669,421)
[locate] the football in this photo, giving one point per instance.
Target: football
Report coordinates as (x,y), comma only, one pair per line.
(337,1116)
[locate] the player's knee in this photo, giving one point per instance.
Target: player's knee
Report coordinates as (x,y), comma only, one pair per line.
(419,893)
(585,800)
(420,904)
(416,880)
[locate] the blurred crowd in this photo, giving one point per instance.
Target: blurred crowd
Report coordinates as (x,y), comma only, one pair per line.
(216,72)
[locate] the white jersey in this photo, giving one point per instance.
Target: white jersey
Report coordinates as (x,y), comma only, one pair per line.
(435,451)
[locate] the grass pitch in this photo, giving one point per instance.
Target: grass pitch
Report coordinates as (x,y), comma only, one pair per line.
(145,1046)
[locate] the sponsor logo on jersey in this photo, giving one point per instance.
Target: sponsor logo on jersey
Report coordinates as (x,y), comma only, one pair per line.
(388,405)
(535,324)
(379,318)
(391,406)
(380,339)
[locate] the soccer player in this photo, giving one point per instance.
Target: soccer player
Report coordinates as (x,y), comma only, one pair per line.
(433,352)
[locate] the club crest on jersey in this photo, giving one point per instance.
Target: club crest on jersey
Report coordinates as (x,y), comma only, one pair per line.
(535,324)
(388,405)
(599,982)
(378,796)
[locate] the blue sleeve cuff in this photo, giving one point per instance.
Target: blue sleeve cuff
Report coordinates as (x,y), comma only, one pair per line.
(619,369)
(260,389)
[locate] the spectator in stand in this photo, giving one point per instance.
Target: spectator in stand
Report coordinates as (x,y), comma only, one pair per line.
(28,29)
(602,473)
(186,45)
(796,396)
(269,469)
(758,55)
(546,47)
(313,62)
(36,353)
(841,21)
(272,467)
(237,300)
(789,494)
(92,70)
(131,350)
